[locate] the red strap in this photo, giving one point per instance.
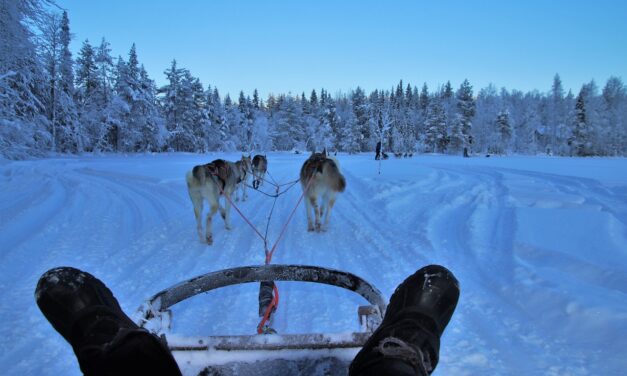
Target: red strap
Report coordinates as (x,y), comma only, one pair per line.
(275,298)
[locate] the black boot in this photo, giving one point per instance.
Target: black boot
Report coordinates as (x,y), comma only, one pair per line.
(106,341)
(408,340)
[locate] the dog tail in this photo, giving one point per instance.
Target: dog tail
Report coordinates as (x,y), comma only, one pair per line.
(195,176)
(337,180)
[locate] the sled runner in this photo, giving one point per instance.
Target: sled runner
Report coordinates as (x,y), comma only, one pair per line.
(307,353)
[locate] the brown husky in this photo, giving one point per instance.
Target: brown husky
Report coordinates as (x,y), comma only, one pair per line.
(208,182)
(260,166)
(320,176)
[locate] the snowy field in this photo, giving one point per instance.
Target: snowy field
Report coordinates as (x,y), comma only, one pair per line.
(539,245)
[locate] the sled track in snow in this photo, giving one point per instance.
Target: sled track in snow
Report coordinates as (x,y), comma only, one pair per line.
(502,225)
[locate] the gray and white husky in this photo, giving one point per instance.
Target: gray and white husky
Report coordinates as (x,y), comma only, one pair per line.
(209,181)
(320,178)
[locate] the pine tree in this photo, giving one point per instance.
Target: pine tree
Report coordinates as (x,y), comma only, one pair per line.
(398,98)
(217,122)
(256,100)
(147,117)
(504,129)
(330,119)
(556,112)
(23,131)
(133,64)
(447,91)
(245,125)
(424,99)
(615,116)
(461,137)
(436,135)
(580,138)
(408,96)
(86,73)
(104,63)
(362,132)
(68,138)
(50,46)
(186,118)
(313,98)
(87,92)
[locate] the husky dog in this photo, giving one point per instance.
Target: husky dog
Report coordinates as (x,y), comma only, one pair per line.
(260,166)
(208,182)
(321,178)
(244,169)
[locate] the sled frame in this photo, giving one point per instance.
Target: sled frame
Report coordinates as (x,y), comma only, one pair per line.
(157,308)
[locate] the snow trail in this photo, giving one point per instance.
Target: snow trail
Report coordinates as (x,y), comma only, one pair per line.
(539,245)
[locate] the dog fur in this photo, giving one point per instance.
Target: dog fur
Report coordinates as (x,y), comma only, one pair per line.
(209,181)
(320,178)
(244,166)
(260,166)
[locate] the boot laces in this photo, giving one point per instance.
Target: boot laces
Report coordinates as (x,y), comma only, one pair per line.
(392,347)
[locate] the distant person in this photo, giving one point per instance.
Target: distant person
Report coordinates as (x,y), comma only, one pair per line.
(107,342)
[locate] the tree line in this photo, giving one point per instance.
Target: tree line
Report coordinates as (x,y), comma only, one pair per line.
(53,102)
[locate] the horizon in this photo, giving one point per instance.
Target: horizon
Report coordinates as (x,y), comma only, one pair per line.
(282,48)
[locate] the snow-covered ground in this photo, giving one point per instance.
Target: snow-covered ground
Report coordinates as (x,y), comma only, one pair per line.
(539,245)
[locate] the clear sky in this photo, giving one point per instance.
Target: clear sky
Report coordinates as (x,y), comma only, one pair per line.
(295,46)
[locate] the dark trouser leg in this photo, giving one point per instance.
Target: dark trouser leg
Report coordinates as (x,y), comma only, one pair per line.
(131,352)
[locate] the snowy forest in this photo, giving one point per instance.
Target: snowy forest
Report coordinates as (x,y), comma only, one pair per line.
(52,101)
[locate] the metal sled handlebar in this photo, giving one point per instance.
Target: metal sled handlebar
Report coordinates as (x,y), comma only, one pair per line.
(156,314)
(245,274)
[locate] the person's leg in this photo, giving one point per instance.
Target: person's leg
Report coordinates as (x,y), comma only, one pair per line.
(106,341)
(408,340)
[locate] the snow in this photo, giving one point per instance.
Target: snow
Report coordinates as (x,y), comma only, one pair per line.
(539,245)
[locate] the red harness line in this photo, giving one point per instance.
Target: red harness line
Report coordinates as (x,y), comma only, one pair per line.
(275,297)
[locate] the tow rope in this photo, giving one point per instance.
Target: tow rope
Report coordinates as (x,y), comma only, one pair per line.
(262,328)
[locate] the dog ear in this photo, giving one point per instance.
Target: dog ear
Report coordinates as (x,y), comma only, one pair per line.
(324,152)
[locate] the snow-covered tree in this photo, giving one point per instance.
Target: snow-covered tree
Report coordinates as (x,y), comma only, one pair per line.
(488,105)
(557,113)
(436,135)
(580,138)
(23,124)
(86,72)
(461,137)
(68,135)
(504,130)
(614,116)
(217,136)
(361,132)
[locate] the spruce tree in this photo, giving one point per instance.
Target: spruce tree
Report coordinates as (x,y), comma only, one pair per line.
(86,72)
(504,129)
(436,135)
(23,131)
(580,138)
(68,138)
(361,133)
(614,103)
(104,64)
(424,99)
(461,137)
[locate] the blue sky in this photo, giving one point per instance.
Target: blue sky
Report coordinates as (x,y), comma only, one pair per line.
(295,46)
